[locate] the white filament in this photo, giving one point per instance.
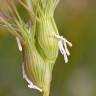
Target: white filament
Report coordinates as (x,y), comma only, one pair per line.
(30,83)
(19,44)
(62,44)
(62,50)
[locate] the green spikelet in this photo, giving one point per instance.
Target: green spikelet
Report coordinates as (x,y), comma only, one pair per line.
(37,38)
(44,49)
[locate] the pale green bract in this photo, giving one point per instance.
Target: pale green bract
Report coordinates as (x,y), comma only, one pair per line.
(38,40)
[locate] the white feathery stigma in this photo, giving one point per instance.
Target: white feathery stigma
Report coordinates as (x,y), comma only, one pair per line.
(19,44)
(30,83)
(62,45)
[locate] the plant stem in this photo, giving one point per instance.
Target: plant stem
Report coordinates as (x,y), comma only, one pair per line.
(46,91)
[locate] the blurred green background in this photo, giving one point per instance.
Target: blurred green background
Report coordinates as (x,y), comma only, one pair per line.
(76,20)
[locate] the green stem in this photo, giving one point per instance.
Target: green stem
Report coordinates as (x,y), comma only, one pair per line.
(46,91)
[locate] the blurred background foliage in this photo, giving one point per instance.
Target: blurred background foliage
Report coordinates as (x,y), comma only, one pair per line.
(76,20)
